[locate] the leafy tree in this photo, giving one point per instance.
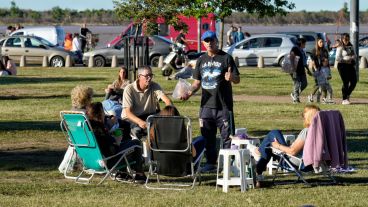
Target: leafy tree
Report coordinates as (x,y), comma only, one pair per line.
(150,10)
(15,11)
(57,13)
(225,8)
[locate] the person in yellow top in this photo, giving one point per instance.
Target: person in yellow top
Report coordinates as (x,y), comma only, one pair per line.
(68,42)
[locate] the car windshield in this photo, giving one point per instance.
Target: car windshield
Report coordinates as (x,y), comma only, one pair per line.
(45,42)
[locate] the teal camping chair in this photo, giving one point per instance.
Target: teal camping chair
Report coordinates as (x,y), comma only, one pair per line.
(78,131)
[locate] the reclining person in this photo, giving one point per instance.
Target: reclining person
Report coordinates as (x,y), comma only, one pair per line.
(275,139)
(108,144)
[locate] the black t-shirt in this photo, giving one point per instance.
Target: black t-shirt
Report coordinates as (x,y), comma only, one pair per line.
(216,91)
(179,40)
(84,31)
(299,52)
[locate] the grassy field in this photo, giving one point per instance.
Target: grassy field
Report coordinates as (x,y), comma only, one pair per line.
(32,145)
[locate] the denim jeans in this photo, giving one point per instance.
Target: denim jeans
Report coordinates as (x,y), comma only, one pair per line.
(300,83)
(266,152)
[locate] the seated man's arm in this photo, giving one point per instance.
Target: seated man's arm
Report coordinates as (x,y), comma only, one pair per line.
(133,118)
(166,100)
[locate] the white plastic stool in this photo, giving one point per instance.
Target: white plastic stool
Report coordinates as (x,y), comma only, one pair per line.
(243,155)
(242,143)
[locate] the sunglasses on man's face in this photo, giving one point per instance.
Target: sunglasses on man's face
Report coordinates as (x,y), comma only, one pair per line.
(150,75)
(208,40)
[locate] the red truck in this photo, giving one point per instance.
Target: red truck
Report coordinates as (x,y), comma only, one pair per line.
(168,31)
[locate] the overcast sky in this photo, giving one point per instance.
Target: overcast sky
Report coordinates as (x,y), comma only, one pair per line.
(308,5)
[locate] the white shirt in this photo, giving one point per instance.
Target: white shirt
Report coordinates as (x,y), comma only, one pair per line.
(76,45)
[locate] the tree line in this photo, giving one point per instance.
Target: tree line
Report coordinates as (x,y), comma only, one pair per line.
(61,16)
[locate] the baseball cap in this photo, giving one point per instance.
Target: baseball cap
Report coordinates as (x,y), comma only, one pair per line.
(208,35)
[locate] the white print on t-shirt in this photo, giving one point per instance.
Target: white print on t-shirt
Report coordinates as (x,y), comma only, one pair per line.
(211,64)
(209,77)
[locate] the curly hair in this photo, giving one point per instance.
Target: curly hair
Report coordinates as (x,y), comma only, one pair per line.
(81,96)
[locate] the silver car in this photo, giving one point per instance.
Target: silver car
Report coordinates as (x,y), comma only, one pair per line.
(101,57)
(272,47)
(34,49)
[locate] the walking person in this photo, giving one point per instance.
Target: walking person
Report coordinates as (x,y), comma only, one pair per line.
(215,72)
(299,77)
(318,54)
(345,57)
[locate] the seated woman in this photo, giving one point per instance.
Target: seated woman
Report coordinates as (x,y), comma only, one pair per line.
(108,144)
(275,139)
(115,90)
(81,97)
(9,65)
(197,144)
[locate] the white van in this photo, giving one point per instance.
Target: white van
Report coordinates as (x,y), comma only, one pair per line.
(53,34)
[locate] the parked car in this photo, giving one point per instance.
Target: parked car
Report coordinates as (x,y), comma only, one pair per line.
(272,47)
(53,34)
(34,49)
(311,38)
(158,46)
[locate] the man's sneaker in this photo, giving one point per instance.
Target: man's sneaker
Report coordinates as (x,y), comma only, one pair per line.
(345,102)
(209,168)
(123,177)
(310,98)
(140,178)
(294,99)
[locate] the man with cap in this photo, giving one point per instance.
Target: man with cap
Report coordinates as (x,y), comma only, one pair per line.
(215,72)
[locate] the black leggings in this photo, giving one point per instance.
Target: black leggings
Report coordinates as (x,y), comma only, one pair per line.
(349,79)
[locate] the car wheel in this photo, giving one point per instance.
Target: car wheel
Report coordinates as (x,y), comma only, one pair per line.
(155,60)
(57,61)
(281,59)
(99,61)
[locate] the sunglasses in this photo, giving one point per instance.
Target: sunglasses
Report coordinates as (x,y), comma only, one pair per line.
(208,40)
(150,75)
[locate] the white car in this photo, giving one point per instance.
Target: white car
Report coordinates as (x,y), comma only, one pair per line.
(272,47)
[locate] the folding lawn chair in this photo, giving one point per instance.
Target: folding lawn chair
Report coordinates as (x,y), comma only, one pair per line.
(324,148)
(170,144)
(78,131)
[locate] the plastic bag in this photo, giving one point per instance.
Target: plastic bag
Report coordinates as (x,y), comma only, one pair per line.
(290,64)
(69,158)
(181,88)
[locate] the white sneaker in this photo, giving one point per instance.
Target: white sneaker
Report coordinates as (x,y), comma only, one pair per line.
(310,98)
(254,152)
(345,102)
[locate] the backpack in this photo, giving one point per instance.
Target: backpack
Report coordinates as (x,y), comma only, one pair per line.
(290,64)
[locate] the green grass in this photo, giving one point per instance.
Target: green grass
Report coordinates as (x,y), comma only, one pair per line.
(32,145)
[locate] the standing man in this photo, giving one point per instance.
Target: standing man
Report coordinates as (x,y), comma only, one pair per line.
(83,33)
(240,35)
(299,77)
(215,72)
(141,99)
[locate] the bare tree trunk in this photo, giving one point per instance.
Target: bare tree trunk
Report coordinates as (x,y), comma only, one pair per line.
(221,33)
